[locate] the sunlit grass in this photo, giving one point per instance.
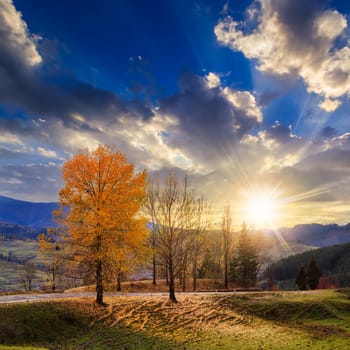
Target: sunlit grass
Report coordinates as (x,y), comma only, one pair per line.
(266,320)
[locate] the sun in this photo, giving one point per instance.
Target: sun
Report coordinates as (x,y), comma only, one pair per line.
(261,209)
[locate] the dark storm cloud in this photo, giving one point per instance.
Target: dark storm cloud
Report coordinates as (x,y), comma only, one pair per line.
(298,15)
(207,118)
(27,83)
(16,126)
(279,132)
(328,132)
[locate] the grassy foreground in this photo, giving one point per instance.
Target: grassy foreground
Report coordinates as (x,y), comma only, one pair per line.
(273,320)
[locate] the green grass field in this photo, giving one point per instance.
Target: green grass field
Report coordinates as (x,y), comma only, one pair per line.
(11,272)
(266,320)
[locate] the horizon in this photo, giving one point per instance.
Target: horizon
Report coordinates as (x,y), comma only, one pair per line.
(234,229)
(250,99)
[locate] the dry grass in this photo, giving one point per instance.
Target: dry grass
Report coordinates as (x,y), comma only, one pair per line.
(146,286)
(223,321)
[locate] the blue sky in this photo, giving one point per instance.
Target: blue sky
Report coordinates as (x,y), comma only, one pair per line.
(251,98)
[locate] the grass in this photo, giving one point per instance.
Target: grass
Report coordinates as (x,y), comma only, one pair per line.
(146,286)
(10,277)
(21,249)
(11,272)
(263,320)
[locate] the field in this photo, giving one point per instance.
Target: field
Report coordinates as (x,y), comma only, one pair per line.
(262,320)
(20,249)
(11,272)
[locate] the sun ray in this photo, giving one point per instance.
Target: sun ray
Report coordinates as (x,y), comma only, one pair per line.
(283,242)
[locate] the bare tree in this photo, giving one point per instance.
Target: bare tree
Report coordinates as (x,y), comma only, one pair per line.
(28,275)
(202,223)
(150,211)
(172,214)
(226,241)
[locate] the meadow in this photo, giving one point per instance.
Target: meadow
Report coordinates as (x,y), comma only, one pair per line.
(259,320)
(11,272)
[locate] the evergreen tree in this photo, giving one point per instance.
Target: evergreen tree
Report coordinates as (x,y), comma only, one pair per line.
(301,279)
(313,273)
(245,265)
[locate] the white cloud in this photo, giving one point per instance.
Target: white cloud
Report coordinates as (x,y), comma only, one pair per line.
(47,152)
(245,101)
(10,181)
(330,105)
(15,29)
(300,48)
(12,139)
(213,80)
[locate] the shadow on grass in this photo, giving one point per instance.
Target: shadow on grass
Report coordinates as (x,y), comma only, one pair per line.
(319,318)
(69,325)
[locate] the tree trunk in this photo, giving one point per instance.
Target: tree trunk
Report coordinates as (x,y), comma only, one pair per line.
(154,269)
(171,282)
(119,282)
(166,275)
(183,282)
(225,271)
(195,275)
(99,283)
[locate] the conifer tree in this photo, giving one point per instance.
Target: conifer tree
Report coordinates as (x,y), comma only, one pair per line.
(313,273)
(245,265)
(301,279)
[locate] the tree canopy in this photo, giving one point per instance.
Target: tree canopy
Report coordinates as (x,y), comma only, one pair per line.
(99,213)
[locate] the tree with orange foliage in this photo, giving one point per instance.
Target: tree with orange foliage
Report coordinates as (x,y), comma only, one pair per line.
(99,212)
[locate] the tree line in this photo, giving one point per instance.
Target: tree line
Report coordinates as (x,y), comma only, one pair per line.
(333,262)
(110,219)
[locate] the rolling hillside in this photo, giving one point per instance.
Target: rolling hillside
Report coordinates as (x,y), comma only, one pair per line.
(23,213)
(333,261)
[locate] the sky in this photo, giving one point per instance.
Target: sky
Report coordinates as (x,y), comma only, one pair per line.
(250,99)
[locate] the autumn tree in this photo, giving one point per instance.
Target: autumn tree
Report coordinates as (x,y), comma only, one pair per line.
(99,213)
(55,254)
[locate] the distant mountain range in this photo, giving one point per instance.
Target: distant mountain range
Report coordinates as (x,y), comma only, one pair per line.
(293,240)
(317,235)
(333,261)
(17,212)
(21,216)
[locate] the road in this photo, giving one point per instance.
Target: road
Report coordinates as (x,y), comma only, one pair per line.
(21,298)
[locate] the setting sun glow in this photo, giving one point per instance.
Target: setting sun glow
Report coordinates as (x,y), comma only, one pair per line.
(261,209)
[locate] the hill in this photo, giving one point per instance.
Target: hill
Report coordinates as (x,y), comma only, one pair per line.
(333,261)
(18,232)
(317,234)
(13,211)
(207,322)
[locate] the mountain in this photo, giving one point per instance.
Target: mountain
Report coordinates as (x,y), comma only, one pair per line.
(333,261)
(317,234)
(13,211)
(19,232)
